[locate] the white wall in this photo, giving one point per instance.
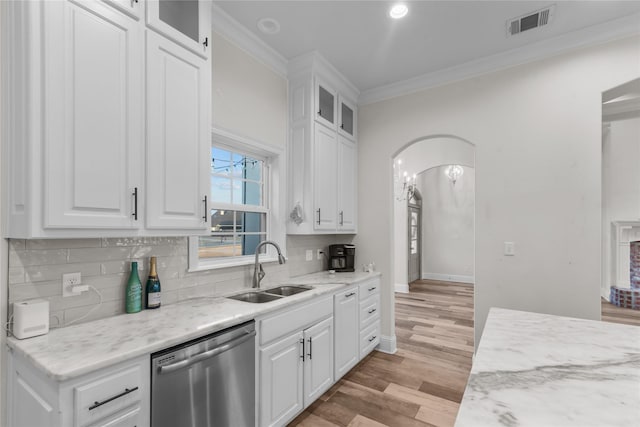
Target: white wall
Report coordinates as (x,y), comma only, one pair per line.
(416,158)
(447,225)
(620,185)
(537,132)
(248,97)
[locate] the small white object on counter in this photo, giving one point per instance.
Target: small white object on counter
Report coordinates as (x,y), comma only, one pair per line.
(30,318)
(536,369)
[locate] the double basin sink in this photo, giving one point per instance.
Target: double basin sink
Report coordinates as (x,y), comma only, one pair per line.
(259,297)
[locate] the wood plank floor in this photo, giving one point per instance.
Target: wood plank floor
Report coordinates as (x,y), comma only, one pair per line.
(422,384)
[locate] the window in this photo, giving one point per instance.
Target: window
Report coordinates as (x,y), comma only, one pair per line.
(243,203)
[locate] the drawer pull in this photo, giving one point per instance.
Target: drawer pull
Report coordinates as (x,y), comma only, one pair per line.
(372,338)
(373,310)
(372,289)
(350,294)
(124,393)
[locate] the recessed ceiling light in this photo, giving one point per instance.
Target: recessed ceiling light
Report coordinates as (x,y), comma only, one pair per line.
(398,11)
(269,26)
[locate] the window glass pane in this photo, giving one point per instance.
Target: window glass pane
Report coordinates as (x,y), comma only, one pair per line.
(238,166)
(252,193)
(253,169)
(216,246)
(222,221)
(326,104)
(182,15)
(249,243)
(220,189)
(251,222)
(220,161)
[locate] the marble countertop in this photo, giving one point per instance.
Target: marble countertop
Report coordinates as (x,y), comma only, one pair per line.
(541,370)
(69,352)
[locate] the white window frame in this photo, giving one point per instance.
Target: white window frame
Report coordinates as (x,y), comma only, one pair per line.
(274,191)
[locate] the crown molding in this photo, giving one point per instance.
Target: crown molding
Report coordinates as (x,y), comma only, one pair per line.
(242,37)
(597,34)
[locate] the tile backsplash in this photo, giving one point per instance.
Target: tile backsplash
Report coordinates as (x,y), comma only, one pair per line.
(36,268)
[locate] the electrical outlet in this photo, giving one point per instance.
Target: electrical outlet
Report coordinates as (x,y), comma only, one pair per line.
(319,254)
(70,280)
(309,255)
(509,248)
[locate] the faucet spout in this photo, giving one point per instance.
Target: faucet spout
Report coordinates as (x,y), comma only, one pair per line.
(258,272)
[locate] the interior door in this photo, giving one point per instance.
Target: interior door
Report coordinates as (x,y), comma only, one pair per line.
(414,238)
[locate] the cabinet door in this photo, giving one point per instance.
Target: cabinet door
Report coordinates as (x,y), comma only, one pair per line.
(325,103)
(347,179)
(178,123)
(28,407)
(318,364)
(346,332)
(347,118)
(281,377)
(186,22)
(325,178)
(93,87)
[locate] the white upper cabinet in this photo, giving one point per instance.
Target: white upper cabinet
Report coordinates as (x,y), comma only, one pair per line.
(178,111)
(133,8)
(322,195)
(325,104)
(93,116)
(82,138)
(186,22)
(346,118)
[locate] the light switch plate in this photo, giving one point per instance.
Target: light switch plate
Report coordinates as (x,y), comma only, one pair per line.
(309,255)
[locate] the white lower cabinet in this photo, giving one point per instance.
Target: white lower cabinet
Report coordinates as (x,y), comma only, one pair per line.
(345,314)
(117,396)
(297,367)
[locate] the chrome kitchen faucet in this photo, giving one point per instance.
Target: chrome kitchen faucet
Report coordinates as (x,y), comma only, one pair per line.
(258,272)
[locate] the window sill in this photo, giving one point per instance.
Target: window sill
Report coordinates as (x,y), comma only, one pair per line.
(235,262)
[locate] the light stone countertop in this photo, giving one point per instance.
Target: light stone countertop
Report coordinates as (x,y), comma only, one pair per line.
(541,370)
(69,352)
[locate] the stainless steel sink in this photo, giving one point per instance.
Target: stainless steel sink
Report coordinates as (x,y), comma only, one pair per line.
(255,297)
(286,291)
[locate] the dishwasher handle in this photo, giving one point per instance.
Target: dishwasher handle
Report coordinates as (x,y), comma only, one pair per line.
(205,355)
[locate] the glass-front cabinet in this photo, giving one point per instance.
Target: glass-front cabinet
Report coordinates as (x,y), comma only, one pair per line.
(346,118)
(186,22)
(325,98)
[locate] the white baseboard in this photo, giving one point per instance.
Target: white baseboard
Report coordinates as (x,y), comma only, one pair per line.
(402,288)
(448,277)
(387,344)
(605,293)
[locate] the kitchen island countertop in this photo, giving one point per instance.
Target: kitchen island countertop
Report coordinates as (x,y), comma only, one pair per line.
(541,370)
(69,352)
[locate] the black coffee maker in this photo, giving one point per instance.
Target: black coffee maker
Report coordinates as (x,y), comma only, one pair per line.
(342,257)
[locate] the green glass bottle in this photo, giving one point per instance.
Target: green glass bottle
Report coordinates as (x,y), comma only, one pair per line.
(153,286)
(133,297)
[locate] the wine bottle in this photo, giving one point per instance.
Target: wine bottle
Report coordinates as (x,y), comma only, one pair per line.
(133,297)
(153,286)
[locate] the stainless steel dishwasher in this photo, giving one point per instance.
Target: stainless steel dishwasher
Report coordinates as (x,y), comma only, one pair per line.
(208,382)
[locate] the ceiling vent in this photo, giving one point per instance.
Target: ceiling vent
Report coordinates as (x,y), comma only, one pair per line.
(530,21)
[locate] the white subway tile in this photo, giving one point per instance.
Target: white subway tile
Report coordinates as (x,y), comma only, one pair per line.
(26,291)
(16,275)
(38,257)
(62,243)
(99,254)
(55,272)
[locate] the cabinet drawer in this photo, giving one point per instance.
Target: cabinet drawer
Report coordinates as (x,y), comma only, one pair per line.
(369,339)
(369,311)
(127,418)
(107,395)
(368,288)
(292,319)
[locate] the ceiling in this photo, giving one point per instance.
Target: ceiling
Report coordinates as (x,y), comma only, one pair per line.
(374,51)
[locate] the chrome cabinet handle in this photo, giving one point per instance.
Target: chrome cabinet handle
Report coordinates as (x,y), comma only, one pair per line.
(372,338)
(341,217)
(135,204)
(302,342)
(318,216)
(373,310)
(97,404)
(205,209)
(372,289)
(310,348)
(350,294)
